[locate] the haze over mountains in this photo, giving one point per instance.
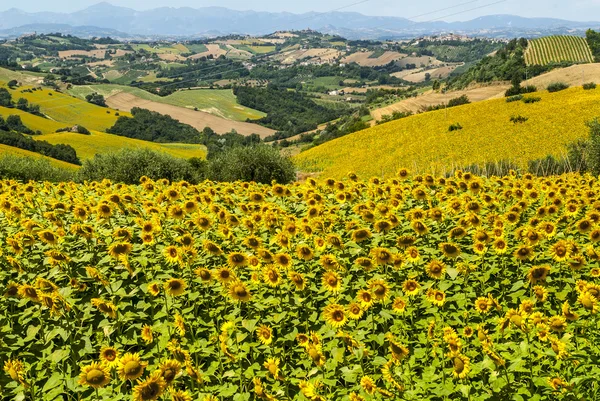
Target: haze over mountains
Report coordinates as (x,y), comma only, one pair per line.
(105,19)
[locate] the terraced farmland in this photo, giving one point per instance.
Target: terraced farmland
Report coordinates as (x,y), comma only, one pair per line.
(555,49)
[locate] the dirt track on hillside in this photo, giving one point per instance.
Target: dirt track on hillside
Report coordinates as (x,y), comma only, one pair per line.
(197,119)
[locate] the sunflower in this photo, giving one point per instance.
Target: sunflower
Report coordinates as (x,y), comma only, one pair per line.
(180,395)
(437,297)
(355,311)
(298,280)
(48,237)
(332,282)
(482,305)
(212,248)
(225,275)
(172,255)
(560,251)
(436,269)
(15,370)
(109,356)
(119,250)
(380,289)
(28,291)
(94,375)
(272,276)
(368,385)
(461,365)
(239,291)
(106,307)
(365,299)
(147,334)
(131,367)
(557,323)
(538,273)
(264,334)
(175,286)
(272,365)
(335,315)
(149,389)
(305,252)
(405,241)
(154,289)
(283,259)
(237,259)
(382,256)
(399,305)
(524,252)
(360,235)
(179,324)
(104,211)
(411,287)
(588,301)
(412,254)
(169,370)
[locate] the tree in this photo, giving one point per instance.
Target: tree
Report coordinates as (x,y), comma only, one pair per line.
(436,85)
(427,76)
(5,98)
(97,99)
(594,147)
(12,83)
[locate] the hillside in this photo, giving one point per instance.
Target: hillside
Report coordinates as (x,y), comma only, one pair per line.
(87,146)
(9,150)
(219,102)
(556,49)
(424,143)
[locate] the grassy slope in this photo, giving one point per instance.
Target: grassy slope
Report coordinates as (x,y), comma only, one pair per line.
(5,149)
(423,142)
(87,146)
(68,109)
(221,102)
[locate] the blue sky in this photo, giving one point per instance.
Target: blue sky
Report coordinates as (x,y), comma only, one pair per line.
(580,10)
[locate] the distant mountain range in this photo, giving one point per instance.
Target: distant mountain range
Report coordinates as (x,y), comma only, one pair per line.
(105,19)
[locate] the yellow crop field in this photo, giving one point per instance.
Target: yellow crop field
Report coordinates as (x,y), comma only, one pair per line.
(412,288)
(87,146)
(68,109)
(33,122)
(423,142)
(9,150)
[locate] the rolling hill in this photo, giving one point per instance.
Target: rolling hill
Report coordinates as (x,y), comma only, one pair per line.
(423,142)
(9,150)
(555,49)
(220,102)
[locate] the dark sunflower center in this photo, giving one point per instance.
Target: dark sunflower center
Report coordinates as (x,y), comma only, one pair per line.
(95,376)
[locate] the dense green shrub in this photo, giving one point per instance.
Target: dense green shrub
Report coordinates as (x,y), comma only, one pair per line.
(593,148)
(129,165)
(80,129)
(154,127)
(557,86)
(515,98)
(455,127)
(96,98)
(29,169)
(59,151)
(518,119)
(260,163)
(589,86)
(531,99)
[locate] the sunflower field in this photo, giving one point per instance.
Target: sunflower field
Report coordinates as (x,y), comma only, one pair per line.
(412,288)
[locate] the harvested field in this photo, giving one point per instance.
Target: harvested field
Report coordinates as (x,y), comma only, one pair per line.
(103,63)
(436,73)
(423,61)
(197,119)
(213,49)
(350,89)
(170,57)
(416,104)
(363,58)
(326,55)
(100,53)
(402,74)
(573,76)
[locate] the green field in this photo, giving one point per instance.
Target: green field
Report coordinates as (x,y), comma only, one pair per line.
(220,102)
(555,49)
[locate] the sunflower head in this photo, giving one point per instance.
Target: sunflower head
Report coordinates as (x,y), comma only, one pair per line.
(131,366)
(94,375)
